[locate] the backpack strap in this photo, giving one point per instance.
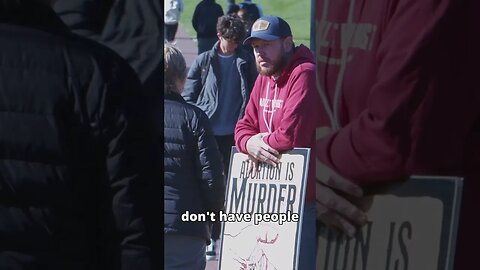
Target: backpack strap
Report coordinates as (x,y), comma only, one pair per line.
(205,69)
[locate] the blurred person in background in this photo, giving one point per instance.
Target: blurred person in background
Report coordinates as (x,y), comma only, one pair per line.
(255,10)
(232,8)
(249,12)
(193,173)
(204,22)
(172,10)
(248,19)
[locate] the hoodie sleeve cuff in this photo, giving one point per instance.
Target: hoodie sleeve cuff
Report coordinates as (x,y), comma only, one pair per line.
(243,144)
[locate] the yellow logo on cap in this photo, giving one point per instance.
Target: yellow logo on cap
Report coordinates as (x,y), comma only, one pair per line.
(260,25)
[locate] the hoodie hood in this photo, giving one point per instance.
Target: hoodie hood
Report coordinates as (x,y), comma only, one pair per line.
(301,55)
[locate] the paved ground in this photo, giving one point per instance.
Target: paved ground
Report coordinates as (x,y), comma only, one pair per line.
(187,45)
(212,265)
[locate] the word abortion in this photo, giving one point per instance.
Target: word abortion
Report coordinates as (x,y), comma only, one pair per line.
(279,218)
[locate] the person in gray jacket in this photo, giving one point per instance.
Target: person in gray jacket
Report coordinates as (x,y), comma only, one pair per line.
(219,82)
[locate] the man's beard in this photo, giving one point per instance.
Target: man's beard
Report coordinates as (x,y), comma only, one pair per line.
(276,67)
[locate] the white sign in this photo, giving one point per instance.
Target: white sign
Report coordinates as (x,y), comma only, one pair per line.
(264,209)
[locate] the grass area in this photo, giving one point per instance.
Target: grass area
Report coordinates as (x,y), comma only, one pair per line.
(295,12)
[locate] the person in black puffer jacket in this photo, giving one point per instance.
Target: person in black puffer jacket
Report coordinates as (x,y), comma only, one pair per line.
(131,28)
(204,21)
(194,178)
(74,148)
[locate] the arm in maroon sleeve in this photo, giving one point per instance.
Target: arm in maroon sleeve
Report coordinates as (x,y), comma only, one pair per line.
(248,126)
(412,55)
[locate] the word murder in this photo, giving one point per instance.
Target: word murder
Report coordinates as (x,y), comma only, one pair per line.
(250,196)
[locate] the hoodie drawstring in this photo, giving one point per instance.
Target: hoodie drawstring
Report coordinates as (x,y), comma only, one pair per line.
(268,124)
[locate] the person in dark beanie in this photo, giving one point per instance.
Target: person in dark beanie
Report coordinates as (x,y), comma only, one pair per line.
(232,8)
(204,22)
(74,143)
(254,10)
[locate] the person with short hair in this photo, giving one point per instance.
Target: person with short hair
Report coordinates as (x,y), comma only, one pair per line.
(283,112)
(232,8)
(219,82)
(255,10)
(248,21)
(193,173)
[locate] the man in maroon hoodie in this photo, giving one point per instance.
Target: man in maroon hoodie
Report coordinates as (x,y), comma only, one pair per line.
(396,79)
(283,111)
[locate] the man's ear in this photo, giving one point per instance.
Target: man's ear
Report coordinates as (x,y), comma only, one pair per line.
(287,44)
